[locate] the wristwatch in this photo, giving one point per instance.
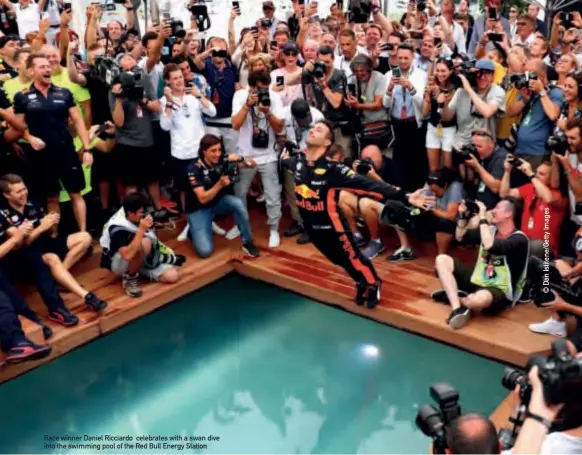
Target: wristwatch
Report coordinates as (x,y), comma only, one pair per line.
(543,93)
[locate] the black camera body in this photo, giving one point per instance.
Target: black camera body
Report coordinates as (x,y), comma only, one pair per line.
(230,169)
(359,11)
(432,421)
(319,69)
(558,143)
(522,80)
(263,96)
(260,139)
(466,69)
(287,146)
(106,69)
(266,23)
(560,374)
(178,30)
(364,166)
(132,82)
(467,152)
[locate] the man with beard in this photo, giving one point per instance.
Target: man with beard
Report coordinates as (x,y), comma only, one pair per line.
(318,182)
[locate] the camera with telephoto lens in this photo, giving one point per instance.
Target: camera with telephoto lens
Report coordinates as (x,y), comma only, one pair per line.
(558,143)
(286,146)
(319,69)
(522,80)
(359,11)
(364,166)
(263,96)
(561,376)
(178,30)
(230,169)
(432,421)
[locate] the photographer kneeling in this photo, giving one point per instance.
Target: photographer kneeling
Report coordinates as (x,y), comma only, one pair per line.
(131,248)
(210,176)
(497,279)
(439,222)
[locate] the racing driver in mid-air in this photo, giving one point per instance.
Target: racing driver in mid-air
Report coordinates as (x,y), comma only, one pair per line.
(318,182)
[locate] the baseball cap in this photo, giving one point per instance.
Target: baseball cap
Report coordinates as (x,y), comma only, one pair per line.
(485,64)
(290,47)
(269,4)
(436,178)
(301,112)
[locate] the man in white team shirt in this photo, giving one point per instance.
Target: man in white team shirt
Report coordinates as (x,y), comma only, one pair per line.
(258,123)
(181,116)
(299,117)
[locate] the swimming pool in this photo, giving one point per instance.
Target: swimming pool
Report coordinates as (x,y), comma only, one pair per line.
(264,370)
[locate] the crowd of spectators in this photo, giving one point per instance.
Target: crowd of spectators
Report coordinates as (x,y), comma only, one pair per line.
(127,130)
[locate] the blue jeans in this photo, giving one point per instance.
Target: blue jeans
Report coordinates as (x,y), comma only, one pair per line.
(200,222)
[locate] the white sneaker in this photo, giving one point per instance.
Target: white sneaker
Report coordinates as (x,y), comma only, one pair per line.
(550,327)
(217,229)
(274,239)
(233,233)
(183,236)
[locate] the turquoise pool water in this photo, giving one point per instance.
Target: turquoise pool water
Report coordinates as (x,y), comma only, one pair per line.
(264,370)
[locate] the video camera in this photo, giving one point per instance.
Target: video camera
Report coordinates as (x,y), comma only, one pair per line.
(558,143)
(230,169)
(522,80)
(561,377)
(432,421)
(359,11)
(132,82)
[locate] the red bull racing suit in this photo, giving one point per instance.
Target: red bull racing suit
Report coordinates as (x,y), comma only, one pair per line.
(317,186)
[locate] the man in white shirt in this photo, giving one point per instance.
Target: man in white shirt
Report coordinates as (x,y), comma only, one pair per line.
(299,117)
(448,12)
(257,114)
(526,31)
(349,48)
(181,115)
(27,17)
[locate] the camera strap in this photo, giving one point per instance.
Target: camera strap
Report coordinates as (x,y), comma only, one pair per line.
(545,422)
(256,121)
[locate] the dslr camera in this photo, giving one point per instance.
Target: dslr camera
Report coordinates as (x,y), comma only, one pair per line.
(260,139)
(319,69)
(522,80)
(230,169)
(178,30)
(558,143)
(266,23)
(264,98)
(561,377)
(364,166)
(467,152)
(109,72)
(466,69)
(432,421)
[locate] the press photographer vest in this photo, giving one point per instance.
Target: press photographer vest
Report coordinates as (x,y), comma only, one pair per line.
(492,271)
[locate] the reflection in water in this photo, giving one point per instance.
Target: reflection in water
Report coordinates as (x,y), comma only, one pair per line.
(274,374)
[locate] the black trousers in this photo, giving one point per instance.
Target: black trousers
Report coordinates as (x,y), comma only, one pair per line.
(28,262)
(341,249)
(11,332)
(409,158)
(18,302)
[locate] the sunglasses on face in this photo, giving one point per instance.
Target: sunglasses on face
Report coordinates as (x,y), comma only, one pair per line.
(482,73)
(521,24)
(290,54)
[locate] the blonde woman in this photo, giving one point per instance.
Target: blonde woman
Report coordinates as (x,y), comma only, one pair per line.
(248,47)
